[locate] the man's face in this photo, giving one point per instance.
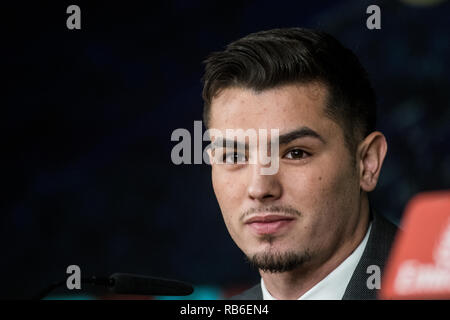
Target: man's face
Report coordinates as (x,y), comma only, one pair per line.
(311,205)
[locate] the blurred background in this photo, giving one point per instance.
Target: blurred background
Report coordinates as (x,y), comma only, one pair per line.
(87,116)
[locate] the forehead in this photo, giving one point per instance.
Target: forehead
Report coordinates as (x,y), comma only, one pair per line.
(285,107)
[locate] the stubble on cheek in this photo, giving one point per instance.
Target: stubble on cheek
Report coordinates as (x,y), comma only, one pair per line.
(227,194)
(229,203)
(333,204)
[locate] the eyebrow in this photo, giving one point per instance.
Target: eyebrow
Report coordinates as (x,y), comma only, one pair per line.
(303,132)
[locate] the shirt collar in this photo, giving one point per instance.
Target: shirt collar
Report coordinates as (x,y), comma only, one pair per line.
(333,286)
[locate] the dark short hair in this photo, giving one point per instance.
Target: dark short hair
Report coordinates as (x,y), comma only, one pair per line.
(268,59)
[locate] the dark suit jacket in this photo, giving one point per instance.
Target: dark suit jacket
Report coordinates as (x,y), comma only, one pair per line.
(376,253)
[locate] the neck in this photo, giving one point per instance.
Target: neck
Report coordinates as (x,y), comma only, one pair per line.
(293,284)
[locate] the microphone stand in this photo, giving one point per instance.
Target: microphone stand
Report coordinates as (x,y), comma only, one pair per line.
(125,283)
(107,282)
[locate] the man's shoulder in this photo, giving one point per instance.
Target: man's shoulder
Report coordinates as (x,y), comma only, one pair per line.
(381,239)
(254,293)
(375,255)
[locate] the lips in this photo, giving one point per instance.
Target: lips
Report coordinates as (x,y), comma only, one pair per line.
(268,224)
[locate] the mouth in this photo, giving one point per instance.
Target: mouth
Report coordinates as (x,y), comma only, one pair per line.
(268,224)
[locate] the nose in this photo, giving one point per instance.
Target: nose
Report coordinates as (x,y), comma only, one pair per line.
(263,188)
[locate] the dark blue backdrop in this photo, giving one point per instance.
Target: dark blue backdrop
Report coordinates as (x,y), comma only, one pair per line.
(87,118)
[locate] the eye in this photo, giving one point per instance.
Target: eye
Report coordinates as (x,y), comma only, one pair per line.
(296,154)
(233,157)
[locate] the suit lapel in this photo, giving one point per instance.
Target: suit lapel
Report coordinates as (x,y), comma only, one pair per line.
(375,253)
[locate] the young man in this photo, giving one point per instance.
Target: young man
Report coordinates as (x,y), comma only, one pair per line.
(309,227)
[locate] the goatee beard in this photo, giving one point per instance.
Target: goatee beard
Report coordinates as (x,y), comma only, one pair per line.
(277,262)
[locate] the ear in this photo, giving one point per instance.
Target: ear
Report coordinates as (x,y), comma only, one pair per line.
(372,151)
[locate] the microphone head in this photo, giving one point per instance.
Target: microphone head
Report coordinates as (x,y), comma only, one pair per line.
(126,283)
(419,263)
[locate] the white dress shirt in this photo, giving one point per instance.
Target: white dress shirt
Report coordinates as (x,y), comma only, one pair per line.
(333,286)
